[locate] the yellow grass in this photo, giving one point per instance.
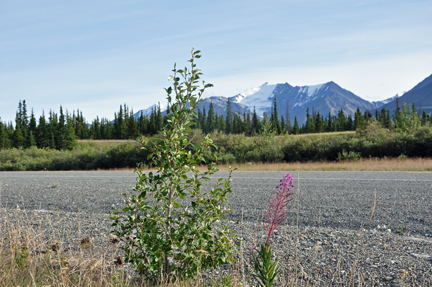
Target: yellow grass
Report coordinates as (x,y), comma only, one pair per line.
(325,134)
(372,164)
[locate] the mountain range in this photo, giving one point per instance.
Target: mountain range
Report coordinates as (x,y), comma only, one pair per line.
(325,98)
(421,95)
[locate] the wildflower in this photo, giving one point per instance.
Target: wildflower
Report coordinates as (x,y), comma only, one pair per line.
(277,205)
(266,269)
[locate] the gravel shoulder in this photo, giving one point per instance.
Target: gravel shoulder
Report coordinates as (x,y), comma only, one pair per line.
(328,228)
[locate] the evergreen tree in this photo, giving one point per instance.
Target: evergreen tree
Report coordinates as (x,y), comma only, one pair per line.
(228,121)
(4,138)
(388,122)
(310,125)
(296,129)
(358,120)
(70,137)
(256,123)
(95,130)
(61,131)
(319,123)
(18,139)
(283,125)
(211,119)
(350,123)
(32,129)
(120,125)
(247,124)
(341,121)
(159,120)
(274,118)
(288,118)
(32,140)
(152,123)
(42,132)
(424,118)
(132,126)
(329,123)
(203,121)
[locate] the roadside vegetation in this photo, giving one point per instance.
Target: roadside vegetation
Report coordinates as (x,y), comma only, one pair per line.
(366,149)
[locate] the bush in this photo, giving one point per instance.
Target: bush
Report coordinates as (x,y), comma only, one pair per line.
(164,236)
(349,156)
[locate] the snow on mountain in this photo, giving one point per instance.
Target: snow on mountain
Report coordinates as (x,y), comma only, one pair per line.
(327,98)
(311,93)
(379,104)
(261,98)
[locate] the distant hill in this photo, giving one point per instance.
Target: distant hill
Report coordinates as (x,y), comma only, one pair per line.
(421,95)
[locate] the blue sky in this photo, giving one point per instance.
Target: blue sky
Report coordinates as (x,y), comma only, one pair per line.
(96,55)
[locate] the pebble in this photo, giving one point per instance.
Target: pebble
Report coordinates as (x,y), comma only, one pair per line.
(322,256)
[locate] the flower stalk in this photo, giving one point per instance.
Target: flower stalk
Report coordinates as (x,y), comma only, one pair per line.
(266,269)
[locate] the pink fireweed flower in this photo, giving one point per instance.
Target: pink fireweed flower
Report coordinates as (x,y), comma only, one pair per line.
(277,206)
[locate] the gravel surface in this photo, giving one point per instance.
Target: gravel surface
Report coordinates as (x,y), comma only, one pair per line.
(328,238)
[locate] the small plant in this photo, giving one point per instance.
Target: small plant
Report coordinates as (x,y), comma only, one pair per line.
(266,268)
(402,156)
(54,186)
(398,231)
(171,229)
(349,156)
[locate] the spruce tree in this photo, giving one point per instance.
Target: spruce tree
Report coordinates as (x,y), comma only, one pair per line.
(358,120)
(18,139)
(210,124)
(310,125)
(32,140)
(283,125)
(4,138)
(70,137)
(296,129)
(228,121)
(159,120)
(32,129)
(274,118)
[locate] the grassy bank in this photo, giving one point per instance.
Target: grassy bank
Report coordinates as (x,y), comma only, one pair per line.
(371,149)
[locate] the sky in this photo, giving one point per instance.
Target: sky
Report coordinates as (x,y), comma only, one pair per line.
(97,55)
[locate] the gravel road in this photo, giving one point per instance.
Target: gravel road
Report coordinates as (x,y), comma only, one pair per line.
(332,211)
(333,199)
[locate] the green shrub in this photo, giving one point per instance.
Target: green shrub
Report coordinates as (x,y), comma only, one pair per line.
(349,156)
(164,236)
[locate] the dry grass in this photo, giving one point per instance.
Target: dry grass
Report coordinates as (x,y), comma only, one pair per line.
(326,134)
(372,164)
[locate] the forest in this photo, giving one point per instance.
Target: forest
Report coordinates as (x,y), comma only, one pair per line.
(62,130)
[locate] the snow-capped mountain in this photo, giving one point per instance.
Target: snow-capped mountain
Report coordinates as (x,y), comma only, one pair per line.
(379,104)
(323,98)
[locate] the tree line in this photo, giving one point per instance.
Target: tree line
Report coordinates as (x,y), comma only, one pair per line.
(61,130)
